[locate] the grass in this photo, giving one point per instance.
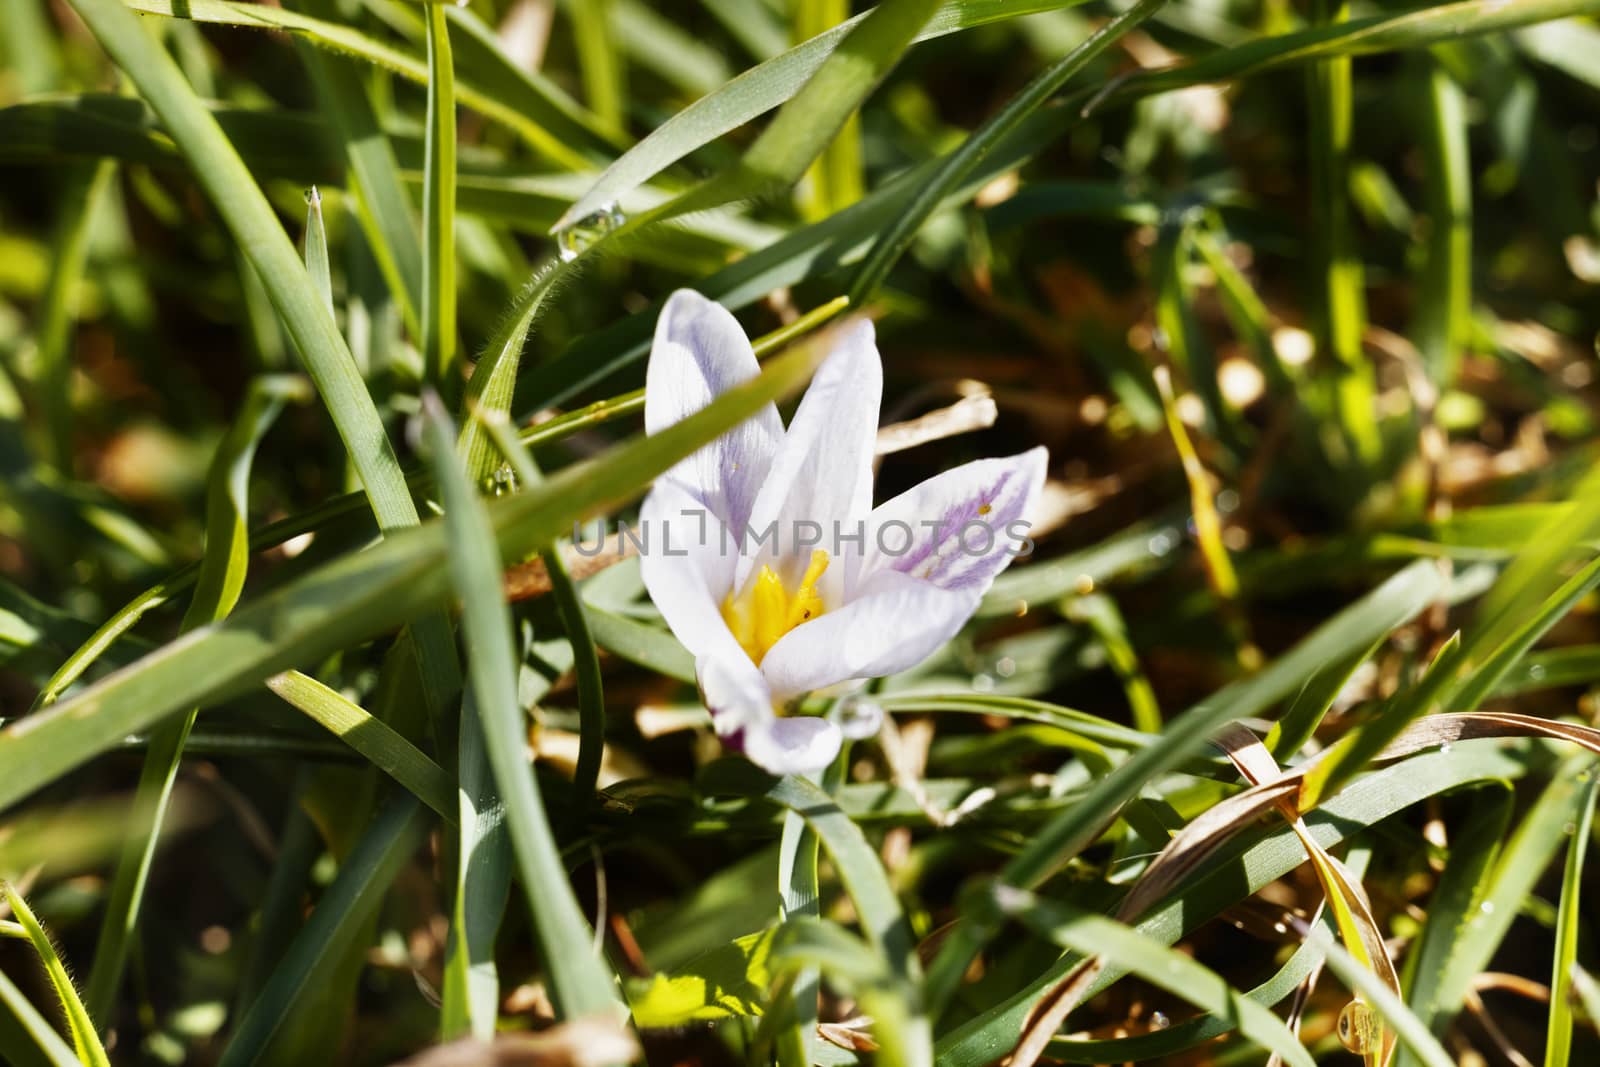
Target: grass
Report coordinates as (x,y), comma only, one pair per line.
(310,339)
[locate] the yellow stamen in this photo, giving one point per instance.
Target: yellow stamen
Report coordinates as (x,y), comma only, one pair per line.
(764,611)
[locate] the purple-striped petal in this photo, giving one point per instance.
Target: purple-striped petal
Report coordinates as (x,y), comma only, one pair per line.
(959,529)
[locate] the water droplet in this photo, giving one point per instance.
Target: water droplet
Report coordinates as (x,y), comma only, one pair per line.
(983,683)
(1005,666)
(1281,928)
(1487,907)
(859,716)
(572,241)
(501,482)
(1159,1021)
(1570,828)
(1536,672)
(1360,1029)
(1160,544)
(1444,747)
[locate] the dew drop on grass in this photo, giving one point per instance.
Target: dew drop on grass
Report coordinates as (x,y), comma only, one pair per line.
(1360,1029)
(983,683)
(1536,672)
(1160,544)
(572,241)
(1005,666)
(1487,907)
(1159,1021)
(859,716)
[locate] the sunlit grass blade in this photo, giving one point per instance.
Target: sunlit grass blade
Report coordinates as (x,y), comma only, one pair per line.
(60,300)
(902,1029)
(586,657)
(1397,1019)
(85,1040)
(1095,935)
(255,227)
(1444,312)
(892,243)
(581,982)
(439,207)
(1356,627)
(599,60)
(382,205)
(1558,1033)
(1538,834)
(374,739)
(760,89)
(1241,868)
(26,1038)
(812,118)
(1474,843)
(550,124)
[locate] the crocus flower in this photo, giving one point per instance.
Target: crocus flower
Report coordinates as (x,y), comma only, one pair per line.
(767,558)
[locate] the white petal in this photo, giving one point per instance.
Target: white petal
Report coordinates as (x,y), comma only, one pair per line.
(699,353)
(736,695)
(956,530)
(822,473)
(895,623)
(803,744)
(688,588)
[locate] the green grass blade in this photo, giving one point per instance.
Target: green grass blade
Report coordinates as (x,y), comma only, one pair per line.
(759,90)
(1335,266)
(1558,1034)
(85,1041)
(340,918)
(217,589)
(599,61)
(834,180)
(1541,831)
(375,740)
(1090,934)
(813,117)
(385,211)
(1478,684)
(1473,847)
(548,122)
(1240,868)
(1393,1011)
(1444,313)
(256,229)
(26,1038)
(1360,746)
(581,982)
(904,1036)
(955,167)
(586,657)
(439,206)
(70,252)
(1058,841)
(316,250)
